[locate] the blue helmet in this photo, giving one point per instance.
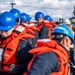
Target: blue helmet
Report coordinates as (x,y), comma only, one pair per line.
(16,13)
(47,17)
(29,18)
(7,21)
(64,30)
(39,15)
(24,17)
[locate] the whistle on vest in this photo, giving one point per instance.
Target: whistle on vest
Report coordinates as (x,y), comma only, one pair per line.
(11,67)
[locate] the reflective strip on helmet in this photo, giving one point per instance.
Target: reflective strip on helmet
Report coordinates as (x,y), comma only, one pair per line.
(57,36)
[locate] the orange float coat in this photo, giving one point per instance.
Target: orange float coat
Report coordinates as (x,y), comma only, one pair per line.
(52,46)
(9,47)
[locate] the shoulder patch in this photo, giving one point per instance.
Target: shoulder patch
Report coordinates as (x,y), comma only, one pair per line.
(20,28)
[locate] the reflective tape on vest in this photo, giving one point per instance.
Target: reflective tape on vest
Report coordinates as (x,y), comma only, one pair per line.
(43,40)
(1,52)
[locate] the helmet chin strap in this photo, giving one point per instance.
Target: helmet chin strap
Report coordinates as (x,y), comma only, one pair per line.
(19,21)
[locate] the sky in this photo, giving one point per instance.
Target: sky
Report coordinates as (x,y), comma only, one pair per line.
(55,8)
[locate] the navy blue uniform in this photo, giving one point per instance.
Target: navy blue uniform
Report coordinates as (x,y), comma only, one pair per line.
(22,58)
(45,64)
(43,32)
(34,40)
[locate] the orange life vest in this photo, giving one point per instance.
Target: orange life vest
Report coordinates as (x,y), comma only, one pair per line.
(52,46)
(46,23)
(9,47)
(53,24)
(30,27)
